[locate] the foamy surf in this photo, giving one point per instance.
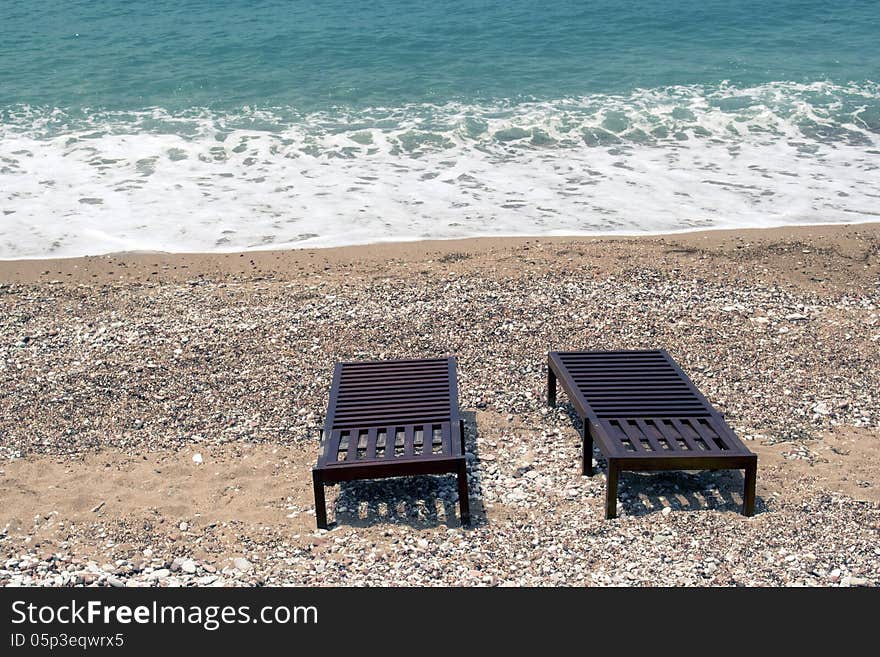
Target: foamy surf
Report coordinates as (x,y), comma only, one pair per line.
(658,160)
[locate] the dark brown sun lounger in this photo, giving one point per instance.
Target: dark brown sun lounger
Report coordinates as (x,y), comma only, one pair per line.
(390,419)
(645,414)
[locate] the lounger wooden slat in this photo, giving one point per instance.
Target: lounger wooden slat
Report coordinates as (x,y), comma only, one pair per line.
(645,414)
(406,407)
(670,437)
(377,410)
(372,438)
(391,444)
(689,437)
(675,425)
(632,439)
(374,395)
(647,433)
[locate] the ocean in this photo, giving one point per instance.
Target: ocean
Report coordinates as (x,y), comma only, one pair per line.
(233,124)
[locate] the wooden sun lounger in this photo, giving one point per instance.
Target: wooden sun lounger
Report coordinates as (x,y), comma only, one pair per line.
(645,414)
(391,419)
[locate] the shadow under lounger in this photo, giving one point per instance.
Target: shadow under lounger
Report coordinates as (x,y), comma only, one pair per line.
(392,419)
(645,414)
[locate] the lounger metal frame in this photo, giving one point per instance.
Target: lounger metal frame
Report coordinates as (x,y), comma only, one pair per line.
(645,414)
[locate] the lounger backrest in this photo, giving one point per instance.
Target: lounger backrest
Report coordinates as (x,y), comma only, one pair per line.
(368,394)
(634,384)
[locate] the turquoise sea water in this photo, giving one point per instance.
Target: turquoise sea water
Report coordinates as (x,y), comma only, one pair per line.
(232,124)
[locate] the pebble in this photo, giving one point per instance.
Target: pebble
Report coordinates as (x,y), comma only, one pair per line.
(243,564)
(821,408)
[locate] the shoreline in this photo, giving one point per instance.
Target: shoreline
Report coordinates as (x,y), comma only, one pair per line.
(161,266)
(555,235)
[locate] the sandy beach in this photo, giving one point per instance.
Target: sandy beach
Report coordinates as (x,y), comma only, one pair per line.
(160,413)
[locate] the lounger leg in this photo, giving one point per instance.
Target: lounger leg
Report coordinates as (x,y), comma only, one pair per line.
(751,475)
(611,490)
(320,502)
(461,429)
(464,503)
(551,387)
(587,448)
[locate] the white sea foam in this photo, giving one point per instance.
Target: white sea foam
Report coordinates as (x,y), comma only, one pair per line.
(658,160)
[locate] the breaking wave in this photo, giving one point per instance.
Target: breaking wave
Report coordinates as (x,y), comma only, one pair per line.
(656,160)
